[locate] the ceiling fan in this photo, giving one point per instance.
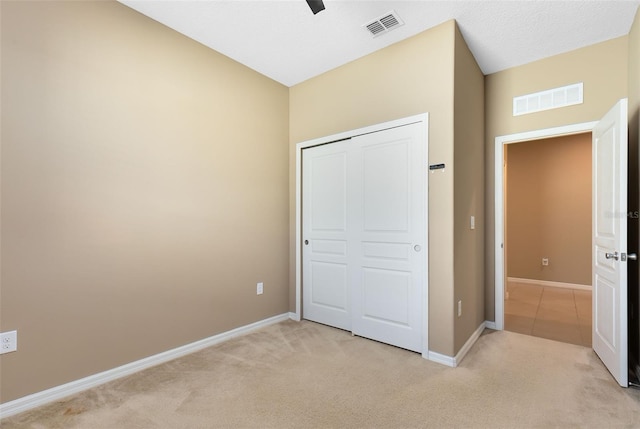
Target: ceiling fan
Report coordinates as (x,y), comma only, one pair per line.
(315,5)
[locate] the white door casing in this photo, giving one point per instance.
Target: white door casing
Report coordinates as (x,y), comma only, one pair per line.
(610,241)
(375,185)
(499,255)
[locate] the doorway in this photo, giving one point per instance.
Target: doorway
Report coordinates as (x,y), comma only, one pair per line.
(500,143)
(548,234)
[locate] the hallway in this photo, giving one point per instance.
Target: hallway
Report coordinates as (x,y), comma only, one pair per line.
(549,312)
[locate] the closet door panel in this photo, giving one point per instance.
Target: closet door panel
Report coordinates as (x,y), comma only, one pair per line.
(389,169)
(364,235)
(326,289)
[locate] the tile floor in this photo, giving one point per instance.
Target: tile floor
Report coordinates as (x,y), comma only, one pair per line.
(549,312)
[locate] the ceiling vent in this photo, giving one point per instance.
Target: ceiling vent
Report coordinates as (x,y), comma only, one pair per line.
(384,24)
(550,99)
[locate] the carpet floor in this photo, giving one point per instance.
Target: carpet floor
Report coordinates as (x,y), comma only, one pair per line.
(306,375)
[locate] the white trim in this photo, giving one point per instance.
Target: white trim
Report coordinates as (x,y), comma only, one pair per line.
(455,361)
(55,393)
(442,359)
(499,200)
(298,242)
(294,316)
(424,118)
(550,283)
(490,325)
(470,342)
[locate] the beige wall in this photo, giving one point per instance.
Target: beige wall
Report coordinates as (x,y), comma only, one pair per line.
(407,78)
(548,209)
(127,220)
(144,191)
(634,122)
(602,68)
(468,193)
(634,81)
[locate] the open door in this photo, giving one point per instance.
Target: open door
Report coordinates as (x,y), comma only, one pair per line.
(610,241)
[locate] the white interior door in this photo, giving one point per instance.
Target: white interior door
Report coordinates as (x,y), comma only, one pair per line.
(325,269)
(387,294)
(364,235)
(610,241)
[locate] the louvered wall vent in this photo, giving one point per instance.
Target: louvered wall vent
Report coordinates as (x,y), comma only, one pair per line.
(550,99)
(384,24)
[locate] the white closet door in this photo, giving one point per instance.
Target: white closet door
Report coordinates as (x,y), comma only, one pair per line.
(325,268)
(389,171)
(364,231)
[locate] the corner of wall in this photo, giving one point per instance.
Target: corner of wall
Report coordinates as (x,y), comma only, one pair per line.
(468,295)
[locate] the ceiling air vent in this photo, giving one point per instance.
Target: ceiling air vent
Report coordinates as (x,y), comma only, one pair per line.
(384,24)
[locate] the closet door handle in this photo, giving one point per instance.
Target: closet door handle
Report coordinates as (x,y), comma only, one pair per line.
(613,255)
(417,248)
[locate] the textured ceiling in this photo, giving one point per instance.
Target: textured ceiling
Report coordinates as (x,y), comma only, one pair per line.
(282,39)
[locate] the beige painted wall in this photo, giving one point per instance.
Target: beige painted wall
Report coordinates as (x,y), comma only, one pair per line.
(402,80)
(634,121)
(549,209)
(125,217)
(468,193)
(602,67)
(144,191)
(634,81)
(407,78)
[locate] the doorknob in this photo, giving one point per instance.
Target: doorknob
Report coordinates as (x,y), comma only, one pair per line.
(632,257)
(613,255)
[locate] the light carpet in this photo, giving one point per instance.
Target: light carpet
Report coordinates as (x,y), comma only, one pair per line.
(306,375)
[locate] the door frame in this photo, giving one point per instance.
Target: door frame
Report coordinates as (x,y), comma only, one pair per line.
(420,118)
(499,215)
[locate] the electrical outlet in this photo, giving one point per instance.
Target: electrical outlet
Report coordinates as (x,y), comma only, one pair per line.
(260,288)
(8,342)
(459,308)
(545,262)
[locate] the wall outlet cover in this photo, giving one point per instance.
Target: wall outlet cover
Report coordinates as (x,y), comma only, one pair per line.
(8,342)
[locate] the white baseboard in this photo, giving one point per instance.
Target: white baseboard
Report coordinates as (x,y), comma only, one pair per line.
(490,325)
(442,359)
(455,361)
(294,316)
(41,398)
(550,283)
(470,342)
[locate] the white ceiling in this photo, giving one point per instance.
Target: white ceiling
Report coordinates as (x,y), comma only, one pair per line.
(283,40)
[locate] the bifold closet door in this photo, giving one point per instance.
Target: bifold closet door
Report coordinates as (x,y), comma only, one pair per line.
(364,232)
